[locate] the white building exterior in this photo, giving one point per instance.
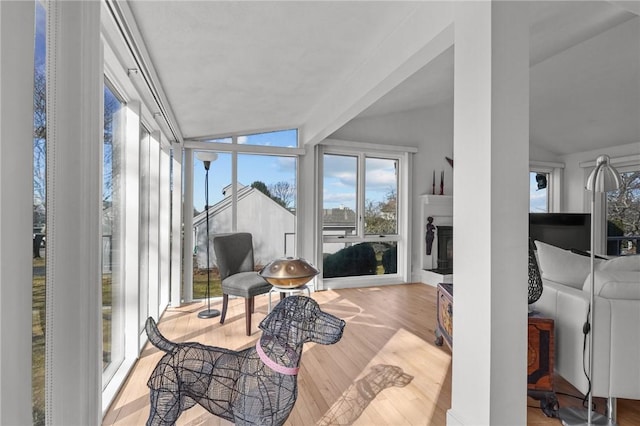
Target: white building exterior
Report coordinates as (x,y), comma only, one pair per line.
(272,226)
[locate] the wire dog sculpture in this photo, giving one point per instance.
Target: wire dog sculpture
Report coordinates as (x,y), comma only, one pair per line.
(254,386)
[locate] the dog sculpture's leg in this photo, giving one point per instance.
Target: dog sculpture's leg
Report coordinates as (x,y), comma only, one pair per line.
(165,408)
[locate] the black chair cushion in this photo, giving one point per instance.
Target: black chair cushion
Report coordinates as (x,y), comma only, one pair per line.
(245,284)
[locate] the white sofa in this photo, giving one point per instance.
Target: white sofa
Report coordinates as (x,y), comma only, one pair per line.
(616,329)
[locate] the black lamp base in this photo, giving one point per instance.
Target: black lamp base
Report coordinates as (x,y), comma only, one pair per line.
(571,416)
(208,313)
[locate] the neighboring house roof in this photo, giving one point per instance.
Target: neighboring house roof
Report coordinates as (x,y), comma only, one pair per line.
(338,217)
(225,203)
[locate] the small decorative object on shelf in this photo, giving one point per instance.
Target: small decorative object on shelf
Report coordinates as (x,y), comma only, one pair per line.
(442,183)
(433,185)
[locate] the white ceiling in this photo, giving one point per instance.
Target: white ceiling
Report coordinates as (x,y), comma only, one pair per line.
(238,66)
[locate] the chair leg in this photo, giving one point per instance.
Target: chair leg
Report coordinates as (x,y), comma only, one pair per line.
(225,302)
(247,308)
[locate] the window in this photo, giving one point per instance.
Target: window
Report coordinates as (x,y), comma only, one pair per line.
(242,183)
(623,214)
(539,192)
(112,236)
(281,138)
(360,214)
(39,218)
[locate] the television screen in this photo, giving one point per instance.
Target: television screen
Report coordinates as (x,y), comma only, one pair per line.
(565,230)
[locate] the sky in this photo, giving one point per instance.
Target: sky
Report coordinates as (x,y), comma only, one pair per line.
(339,175)
(268,169)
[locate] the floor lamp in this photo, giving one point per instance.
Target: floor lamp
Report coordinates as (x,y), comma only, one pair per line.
(207,158)
(603,178)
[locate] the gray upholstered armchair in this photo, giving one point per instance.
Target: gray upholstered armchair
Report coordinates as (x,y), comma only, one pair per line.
(234,253)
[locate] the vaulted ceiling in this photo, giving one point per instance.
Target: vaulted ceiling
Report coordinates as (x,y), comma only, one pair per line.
(239,66)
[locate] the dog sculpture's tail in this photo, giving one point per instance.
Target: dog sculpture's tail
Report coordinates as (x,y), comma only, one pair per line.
(155,337)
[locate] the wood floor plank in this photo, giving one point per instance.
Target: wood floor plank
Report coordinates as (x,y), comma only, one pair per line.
(389,329)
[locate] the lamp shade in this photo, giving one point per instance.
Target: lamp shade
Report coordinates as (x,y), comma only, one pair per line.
(207,157)
(288,272)
(604,177)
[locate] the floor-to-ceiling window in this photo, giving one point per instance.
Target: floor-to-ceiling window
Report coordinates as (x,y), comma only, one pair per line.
(360,214)
(252,187)
(39,217)
(112,234)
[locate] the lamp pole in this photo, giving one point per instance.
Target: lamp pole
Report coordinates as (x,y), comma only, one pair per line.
(207,158)
(603,178)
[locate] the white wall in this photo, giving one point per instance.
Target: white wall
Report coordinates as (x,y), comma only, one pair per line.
(431,131)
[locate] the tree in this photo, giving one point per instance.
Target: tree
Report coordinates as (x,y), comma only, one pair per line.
(260,186)
(624,204)
(39,144)
(381,217)
(283,193)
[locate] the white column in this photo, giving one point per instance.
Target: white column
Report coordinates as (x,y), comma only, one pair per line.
(74,204)
(176,227)
(16,207)
(187,215)
(491,153)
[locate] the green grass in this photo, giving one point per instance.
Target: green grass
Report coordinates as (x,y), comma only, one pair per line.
(200,283)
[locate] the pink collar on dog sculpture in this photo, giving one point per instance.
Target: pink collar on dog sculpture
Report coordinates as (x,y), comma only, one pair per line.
(288,371)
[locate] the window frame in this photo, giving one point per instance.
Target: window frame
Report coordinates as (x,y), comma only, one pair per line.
(404,205)
(555,177)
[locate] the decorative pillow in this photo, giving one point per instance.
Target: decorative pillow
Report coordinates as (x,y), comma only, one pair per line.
(562,266)
(621,263)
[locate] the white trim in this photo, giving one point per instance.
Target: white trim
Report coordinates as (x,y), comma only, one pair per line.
(545,165)
(74,118)
(16,207)
(367,147)
(187,217)
(154,226)
(626,160)
(176,227)
(208,138)
(243,148)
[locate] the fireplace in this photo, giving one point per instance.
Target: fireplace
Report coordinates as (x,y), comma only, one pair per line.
(436,239)
(445,249)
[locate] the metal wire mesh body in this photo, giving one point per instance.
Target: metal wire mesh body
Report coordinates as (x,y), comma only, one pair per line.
(535,281)
(255,386)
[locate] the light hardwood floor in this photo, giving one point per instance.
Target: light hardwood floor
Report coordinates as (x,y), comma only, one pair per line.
(387,349)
